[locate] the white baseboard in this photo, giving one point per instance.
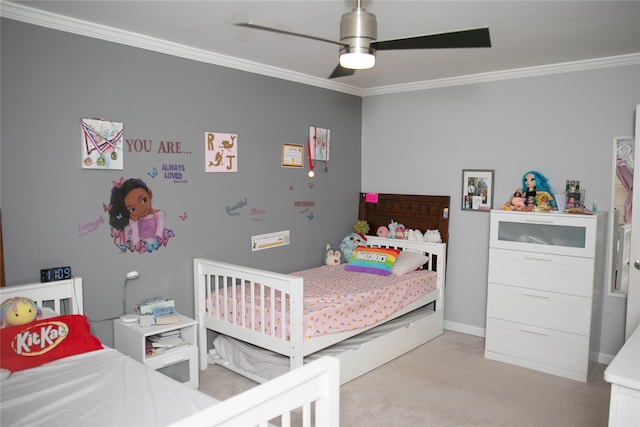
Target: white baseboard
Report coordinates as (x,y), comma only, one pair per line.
(465,329)
(605,359)
(602,358)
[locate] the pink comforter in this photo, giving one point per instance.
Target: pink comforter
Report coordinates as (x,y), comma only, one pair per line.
(336,300)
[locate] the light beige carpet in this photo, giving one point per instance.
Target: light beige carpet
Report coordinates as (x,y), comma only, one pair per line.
(448,382)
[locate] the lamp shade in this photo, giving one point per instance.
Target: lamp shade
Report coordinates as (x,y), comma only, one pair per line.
(357,60)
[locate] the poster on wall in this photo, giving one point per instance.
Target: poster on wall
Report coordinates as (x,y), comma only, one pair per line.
(102,144)
(319,143)
(221,152)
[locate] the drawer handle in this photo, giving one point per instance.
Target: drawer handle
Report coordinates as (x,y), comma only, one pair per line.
(536,258)
(540,221)
(531,294)
(535,331)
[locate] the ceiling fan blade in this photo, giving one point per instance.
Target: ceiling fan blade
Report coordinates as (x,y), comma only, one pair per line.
(340,71)
(477,37)
(289,33)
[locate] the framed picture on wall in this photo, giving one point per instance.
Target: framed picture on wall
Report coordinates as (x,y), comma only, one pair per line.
(292,155)
(477,189)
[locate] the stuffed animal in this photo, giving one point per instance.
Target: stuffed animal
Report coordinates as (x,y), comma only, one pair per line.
(392,229)
(349,243)
(18,311)
(432,236)
(414,235)
(362,228)
(383,231)
(332,256)
(396,231)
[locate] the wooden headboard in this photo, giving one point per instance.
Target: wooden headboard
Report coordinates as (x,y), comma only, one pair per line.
(414,211)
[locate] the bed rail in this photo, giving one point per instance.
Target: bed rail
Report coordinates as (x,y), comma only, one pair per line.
(313,387)
(274,295)
(64,296)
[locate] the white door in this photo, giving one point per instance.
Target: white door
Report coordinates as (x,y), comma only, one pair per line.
(633,295)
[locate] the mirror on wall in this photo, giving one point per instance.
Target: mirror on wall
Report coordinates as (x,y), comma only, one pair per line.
(620,220)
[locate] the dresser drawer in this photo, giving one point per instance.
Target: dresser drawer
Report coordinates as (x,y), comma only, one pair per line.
(540,346)
(556,233)
(544,309)
(546,272)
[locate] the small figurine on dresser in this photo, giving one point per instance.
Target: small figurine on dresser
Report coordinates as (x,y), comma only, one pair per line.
(535,195)
(538,194)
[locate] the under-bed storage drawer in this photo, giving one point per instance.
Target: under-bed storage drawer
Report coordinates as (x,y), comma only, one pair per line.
(549,272)
(549,350)
(540,308)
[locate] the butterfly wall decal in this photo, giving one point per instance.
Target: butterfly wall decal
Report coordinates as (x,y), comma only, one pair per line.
(118,184)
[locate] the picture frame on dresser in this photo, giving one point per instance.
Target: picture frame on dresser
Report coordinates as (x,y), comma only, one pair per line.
(477,189)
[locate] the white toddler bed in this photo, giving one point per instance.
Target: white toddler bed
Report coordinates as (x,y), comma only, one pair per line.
(280,296)
(105,387)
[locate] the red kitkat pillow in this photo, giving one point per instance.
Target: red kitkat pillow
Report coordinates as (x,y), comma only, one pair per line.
(27,346)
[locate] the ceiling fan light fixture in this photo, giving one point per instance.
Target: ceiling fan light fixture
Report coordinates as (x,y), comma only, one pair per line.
(357,60)
(358,29)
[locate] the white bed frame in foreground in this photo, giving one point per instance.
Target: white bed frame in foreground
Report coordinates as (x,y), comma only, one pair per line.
(312,388)
(212,276)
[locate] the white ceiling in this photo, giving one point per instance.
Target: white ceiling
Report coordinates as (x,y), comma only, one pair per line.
(524,34)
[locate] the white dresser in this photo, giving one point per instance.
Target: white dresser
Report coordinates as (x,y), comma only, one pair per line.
(543,271)
(624,375)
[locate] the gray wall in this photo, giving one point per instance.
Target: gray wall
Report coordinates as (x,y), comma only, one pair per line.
(51,79)
(416,142)
(561,125)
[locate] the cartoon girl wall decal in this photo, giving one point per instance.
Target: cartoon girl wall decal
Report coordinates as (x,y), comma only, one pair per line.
(137,226)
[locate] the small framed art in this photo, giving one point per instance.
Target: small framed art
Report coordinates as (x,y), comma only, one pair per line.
(477,190)
(292,155)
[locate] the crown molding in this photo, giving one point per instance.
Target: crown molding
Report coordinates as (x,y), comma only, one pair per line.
(54,21)
(542,70)
(42,18)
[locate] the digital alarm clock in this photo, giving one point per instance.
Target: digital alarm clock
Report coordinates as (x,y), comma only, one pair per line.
(54,274)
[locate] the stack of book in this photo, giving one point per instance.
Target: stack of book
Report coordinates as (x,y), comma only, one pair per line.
(147,306)
(166,315)
(162,311)
(164,341)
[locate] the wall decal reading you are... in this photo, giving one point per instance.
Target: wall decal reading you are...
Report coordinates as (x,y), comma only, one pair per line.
(221,152)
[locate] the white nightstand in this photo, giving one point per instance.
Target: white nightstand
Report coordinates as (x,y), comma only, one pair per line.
(179,362)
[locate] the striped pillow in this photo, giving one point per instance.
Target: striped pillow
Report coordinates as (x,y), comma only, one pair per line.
(372,260)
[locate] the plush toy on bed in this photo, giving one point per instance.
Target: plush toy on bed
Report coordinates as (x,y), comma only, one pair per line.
(18,311)
(382,231)
(332,256)
(349,243)
(396,231)
(353,240)
(432,236)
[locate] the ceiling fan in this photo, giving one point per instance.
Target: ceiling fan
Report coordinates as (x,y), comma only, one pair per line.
(358,40)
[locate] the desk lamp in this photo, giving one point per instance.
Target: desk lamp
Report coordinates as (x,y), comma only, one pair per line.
(128,318)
